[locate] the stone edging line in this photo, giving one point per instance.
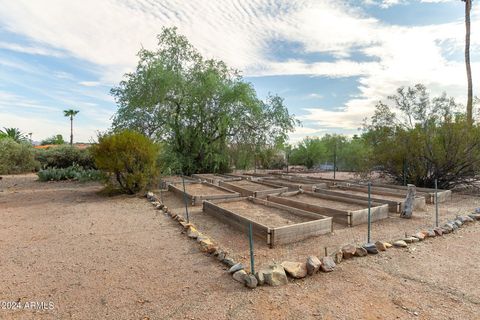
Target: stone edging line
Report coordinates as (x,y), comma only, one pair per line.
(276,274)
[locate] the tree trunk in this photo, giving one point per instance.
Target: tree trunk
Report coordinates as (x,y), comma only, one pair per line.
(468,6)
(71,130)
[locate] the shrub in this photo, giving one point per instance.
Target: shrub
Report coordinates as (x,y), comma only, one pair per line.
(16,157)
(55,139)
(71,173)
(65,156)
(128,159)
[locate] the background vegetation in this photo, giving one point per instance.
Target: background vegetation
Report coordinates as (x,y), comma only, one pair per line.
(128,160)
(197,108)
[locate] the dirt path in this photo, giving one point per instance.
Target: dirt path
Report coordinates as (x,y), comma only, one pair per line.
(116,258)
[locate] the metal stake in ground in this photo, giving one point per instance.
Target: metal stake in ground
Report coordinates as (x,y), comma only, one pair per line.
(369,211)
(185,199)
(161,194)
(436,203)
(335,161)
(250,238)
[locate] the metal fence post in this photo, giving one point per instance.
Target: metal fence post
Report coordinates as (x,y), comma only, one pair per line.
(161,194)
(369,211)
(185,199)
(250,238)
(436,203)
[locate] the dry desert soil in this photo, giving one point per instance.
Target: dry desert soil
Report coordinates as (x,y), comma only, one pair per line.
(97,257)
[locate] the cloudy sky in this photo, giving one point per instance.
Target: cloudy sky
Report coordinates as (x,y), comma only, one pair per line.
(330,60)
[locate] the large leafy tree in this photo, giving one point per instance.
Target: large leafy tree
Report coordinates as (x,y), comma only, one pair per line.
(197,107)
(71,114)
(418,139)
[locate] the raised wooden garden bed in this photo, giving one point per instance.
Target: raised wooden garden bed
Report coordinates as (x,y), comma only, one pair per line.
(214,178)
(197,192)
(273,222)
(256,189)
(395,200)
(343,210)
(428,193)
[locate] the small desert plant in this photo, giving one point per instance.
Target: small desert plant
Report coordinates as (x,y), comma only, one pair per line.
(16,157)
(71,173)
(128,159)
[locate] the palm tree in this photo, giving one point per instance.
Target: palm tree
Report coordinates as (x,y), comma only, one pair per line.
(70,113)
(468,8)
(13,133)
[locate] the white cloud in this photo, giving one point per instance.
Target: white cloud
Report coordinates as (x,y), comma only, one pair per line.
(35,50)
(89,83)
(109,33)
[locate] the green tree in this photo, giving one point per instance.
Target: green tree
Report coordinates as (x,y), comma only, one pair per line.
(309,152)
(419,139)
(127,158)
(198,107)
(55,139)
(71,113)
(13,133)
(468,9)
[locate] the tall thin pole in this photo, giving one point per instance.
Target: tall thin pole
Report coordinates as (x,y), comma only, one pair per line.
(185,199)
(369,211)
(250,238)
(335,160)
(436,202)
(71,130)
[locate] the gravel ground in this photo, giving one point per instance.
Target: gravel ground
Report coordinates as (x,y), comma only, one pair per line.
(95,257)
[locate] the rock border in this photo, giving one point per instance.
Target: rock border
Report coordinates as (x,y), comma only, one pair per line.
(277,274)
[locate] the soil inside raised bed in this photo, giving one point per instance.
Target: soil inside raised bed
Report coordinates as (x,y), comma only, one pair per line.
(339,205)
(201,189)
(373,195)
(250,186)
(268,216)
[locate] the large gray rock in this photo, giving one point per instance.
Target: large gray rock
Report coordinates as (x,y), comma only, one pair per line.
(431,233)
(313,265)
(193,233)
(236,267)
(400,244)
(251,281)
(409,201)
(296,270)
(438,231)
(447,228)
(337,256)
(411,239)
(477,210)
(275,275)
(260,278)
(348,251)
(420,236)
(475,216)
(458,222)
(371,248)
(328,265)
(360,252)
(240,276)
(229,262)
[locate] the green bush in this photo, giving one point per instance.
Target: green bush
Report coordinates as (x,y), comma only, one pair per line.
(16,157)
(128,159)
(71,173)
(64,156)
